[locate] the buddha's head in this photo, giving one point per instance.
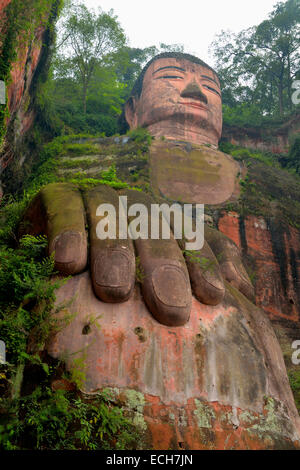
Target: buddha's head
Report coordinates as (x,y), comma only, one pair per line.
(179,97)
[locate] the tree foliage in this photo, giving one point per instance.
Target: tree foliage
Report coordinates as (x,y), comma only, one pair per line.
(258,65)
(92,73)
(293,159)
(88,41)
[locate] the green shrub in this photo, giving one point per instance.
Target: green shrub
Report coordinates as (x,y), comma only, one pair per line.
(294,378)
(141,135)
(24,282)
(81,149)
(47,420)
(293,160)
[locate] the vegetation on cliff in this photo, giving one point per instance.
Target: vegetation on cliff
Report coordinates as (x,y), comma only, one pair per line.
(293,160)
(19,23)
(257,67)
(40,406)
(268,190)
(86,86)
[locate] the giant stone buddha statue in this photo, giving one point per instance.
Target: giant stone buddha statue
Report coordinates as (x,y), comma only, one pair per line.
(202,359)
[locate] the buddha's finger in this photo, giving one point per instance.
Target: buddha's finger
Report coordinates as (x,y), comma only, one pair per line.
(230,262)
(205,275)
(58,212)
(203,267)
(162,270)
(112,258)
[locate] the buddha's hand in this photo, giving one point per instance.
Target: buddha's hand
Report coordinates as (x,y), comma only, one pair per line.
(167,274)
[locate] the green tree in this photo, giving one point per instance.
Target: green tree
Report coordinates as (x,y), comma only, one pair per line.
(129,64)
(86,91)
(259,64)
(87,40)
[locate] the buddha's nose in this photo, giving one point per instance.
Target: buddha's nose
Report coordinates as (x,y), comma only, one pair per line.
(192,90)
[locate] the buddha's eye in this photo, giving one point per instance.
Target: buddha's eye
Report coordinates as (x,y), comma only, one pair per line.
(211,89)
(170,77)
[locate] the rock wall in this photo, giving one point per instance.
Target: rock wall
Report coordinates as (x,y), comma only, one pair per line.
(26,70)
(275,140)
(4,3)
(274,252)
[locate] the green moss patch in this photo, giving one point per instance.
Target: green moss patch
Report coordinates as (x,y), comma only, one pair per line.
(268,190)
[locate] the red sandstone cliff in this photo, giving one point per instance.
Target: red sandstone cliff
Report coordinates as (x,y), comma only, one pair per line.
(275,140)
(275,253)
(25,71)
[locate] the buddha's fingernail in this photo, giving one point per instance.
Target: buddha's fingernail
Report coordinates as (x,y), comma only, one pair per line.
(70,256)
(113,275)
(171,289)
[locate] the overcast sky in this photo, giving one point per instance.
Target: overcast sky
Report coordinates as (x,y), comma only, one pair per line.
(192,23)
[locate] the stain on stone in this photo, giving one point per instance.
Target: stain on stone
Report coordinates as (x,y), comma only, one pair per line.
(200,358)
(242,230)
(232,356)
(277,232)
(204,415)
(296,281)
(141,334)
(153,367)
(86,330)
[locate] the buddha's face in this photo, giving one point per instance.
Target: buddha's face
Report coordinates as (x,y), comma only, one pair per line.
(179,100)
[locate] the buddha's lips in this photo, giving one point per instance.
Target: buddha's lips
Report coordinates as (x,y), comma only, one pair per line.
(195,104)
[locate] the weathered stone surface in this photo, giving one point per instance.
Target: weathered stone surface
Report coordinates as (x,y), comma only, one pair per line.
(193,174)
(4,3)
(275,140)
(180,99)
(275,251)
(217,382)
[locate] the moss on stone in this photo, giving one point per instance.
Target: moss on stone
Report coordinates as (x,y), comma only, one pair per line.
(189,174)
(270,423)
(64,207)
(294,378)
(268,190)
(135,401)
(247,418)
(204,415)
(193,166)
(83,162)
(75,149)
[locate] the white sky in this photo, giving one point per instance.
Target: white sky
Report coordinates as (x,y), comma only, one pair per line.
(192,23)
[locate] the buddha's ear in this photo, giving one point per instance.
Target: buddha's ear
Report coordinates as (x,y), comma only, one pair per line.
(131,112)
